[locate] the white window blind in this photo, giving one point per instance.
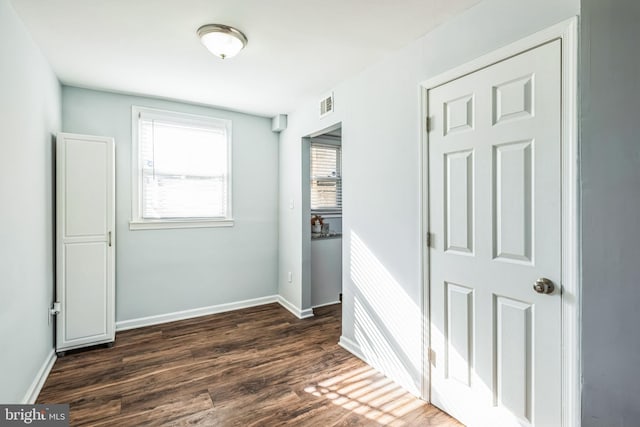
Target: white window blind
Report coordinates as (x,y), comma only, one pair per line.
(326,178)
(183,166)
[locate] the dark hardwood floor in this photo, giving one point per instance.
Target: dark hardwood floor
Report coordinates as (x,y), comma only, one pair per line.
(254,367)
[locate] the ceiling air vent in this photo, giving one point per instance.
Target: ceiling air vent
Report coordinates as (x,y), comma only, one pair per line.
(326,105)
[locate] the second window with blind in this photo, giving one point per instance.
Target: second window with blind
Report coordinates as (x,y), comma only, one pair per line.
(181,170)
(326,178)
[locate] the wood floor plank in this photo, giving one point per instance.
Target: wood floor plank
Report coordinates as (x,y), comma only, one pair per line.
(252,367)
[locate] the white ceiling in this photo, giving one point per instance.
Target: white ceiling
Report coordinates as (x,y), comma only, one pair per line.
(297,49)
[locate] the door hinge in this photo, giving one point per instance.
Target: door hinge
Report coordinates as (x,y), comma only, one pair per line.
(427,124)
(55,308)
(109,238)
(428,239)
(432,357)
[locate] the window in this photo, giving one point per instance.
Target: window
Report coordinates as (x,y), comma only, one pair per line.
(181,170)
(326,178)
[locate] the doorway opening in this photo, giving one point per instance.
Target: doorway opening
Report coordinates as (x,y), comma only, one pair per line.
(322,218)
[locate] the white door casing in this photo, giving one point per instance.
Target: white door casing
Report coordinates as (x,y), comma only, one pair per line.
(495,217)
(85,243)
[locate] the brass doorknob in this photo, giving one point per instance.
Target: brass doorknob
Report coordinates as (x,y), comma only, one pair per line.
(543,286)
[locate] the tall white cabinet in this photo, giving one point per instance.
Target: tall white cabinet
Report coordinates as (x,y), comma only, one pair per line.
(85,241)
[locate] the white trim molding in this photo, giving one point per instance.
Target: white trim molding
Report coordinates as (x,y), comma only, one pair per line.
(141,322)
(352,347)
(137,221)
(34,389)
(124,325)
(326,304)
(187,223)
(300,314)
(567,33)
(571,219)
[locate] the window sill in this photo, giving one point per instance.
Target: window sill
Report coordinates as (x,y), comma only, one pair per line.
(168,224)
(327,214)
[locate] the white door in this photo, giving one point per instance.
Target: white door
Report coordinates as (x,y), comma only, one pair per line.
(85,213)
(494,215)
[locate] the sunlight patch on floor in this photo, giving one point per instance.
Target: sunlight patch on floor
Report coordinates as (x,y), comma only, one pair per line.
(366,392)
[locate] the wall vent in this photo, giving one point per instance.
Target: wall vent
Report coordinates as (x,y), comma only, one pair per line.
(327,105)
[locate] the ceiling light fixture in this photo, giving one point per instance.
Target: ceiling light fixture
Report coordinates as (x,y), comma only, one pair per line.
(221,40)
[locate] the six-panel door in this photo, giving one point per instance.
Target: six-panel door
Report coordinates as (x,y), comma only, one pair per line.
(494,214)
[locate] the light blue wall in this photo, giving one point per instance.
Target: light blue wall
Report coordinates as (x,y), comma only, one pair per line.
(380,114)
(610,163)
(29,117)
(170,270)
(164,271)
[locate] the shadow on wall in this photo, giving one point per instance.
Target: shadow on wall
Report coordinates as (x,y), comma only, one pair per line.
(387,322)
(388,330)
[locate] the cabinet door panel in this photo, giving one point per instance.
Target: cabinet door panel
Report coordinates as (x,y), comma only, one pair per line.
(85,217)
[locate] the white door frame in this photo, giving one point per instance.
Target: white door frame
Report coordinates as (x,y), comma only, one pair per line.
(566,31)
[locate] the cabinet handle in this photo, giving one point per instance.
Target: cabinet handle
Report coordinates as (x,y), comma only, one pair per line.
(109,239)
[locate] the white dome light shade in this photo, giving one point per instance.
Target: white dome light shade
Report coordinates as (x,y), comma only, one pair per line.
(221,40)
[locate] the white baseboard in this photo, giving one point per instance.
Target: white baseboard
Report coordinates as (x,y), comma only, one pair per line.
(123,325)
(300,314)
(352,347)
(327,303)
(32,393)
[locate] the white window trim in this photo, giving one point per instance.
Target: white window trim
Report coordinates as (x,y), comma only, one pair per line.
(137,222)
